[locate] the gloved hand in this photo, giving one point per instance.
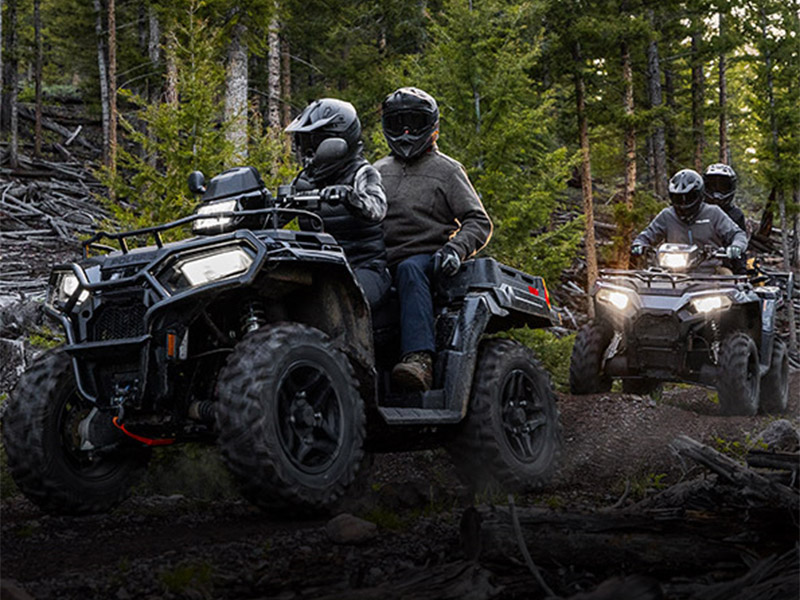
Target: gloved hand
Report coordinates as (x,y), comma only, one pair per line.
(334,194)
(637,250)
(449,260)
(733,252)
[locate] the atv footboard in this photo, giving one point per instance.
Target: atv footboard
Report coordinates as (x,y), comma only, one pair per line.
(483,297)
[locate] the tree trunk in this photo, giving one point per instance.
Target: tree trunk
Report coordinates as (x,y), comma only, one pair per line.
(236,92)
(37,29)
(171,84)
(153,37)
(10,116)
(103,76)
(286,84)
(698,98)
(274,77)
(586,177)
(2,75)
(724,153)
(654,95)
(112,86)
(623,257)
(670,133)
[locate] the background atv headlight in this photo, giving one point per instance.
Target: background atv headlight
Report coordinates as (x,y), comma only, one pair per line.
(65,285)
(619,300)
(207,268)
(707,304)
(217,224)
(673,260)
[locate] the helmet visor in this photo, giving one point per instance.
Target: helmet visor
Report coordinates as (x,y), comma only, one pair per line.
(721,184)
(684,200)
(306,142)
(407,121)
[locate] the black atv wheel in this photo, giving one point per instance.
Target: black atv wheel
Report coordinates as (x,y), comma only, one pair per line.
(511,437)
(585,367)
(738,376)
(774,395)
(291,422)
(40,435)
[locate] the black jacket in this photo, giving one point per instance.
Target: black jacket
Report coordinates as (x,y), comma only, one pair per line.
(356,225)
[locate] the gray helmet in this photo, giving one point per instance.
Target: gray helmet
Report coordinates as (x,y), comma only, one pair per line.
(720,184)
(410,119)
(686,194)
(322,119)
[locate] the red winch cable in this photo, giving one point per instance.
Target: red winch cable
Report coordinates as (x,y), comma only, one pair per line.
(139,438)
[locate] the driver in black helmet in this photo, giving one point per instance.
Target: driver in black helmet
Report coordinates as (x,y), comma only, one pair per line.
(434,212)
(691,221)
(720,188)
(354,202)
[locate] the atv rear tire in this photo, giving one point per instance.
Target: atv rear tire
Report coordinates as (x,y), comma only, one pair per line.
(511,437)
(40,435)
(738,376)
(291,422)
(585,368)
(775,383)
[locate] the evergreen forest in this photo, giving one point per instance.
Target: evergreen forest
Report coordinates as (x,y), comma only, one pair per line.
(569,115)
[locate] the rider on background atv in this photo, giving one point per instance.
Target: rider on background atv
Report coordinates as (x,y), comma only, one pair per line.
(433,210)
(720,188)
(692,221)
(354,201)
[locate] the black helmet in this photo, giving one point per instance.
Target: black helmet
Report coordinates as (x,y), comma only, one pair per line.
(322,119)
(720,182)
(410,120)
(686,193)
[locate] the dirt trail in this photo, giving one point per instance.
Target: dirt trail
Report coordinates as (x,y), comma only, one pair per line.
(227,549)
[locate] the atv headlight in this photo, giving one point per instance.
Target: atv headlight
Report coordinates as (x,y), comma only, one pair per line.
(65,284)
(198,268)
(217,224)
(618,299)
(707,304)
(213,267)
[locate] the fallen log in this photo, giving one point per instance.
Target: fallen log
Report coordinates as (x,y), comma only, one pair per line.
(26,113)
(656,542)
(761,489)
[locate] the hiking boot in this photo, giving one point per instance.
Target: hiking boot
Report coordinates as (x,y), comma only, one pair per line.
(414,372)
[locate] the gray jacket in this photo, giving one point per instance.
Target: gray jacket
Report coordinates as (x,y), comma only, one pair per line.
(711,226)
(431,203)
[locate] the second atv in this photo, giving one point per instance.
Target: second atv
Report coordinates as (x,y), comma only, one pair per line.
(673,323)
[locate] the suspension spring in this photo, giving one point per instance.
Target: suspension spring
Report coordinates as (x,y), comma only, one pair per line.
(253,316)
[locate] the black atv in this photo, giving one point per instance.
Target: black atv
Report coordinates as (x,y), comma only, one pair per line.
(673,322)
(258,338)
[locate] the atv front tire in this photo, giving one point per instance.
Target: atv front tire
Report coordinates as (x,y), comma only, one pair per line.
(40,435)
(738,376)
(775,383)
(511,437)
(291,421)
(585,368)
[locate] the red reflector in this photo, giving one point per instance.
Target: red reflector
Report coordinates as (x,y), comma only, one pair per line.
(533,290)
(171,345)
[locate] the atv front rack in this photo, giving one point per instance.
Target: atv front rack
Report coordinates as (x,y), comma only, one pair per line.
(675,279)
(274,212)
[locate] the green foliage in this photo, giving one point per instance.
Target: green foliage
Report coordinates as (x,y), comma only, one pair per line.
(648,483)
(171,140)
(45,338)
(554,352)
(738,449)
(188,577)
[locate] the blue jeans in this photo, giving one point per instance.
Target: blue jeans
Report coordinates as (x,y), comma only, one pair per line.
(413,280)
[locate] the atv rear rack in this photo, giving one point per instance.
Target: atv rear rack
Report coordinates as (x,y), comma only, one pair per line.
(157,230)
